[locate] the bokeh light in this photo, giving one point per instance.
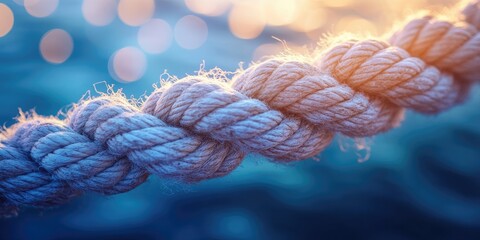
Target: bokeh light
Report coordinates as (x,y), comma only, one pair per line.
(280,12)
(56,46)
(127,64)
(208,7)
(136,12)
(99,12)
(40,8)
(267,49)
(355,25)
(338,3)
(246,20)
(155,36)
(311,19)
(191,32)
(6,19)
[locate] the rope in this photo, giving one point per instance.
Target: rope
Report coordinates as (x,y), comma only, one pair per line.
(284,109)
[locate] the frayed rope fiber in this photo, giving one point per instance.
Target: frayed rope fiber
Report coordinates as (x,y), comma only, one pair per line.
(284,109)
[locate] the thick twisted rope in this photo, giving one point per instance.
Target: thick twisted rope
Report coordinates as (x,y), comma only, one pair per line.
(284,109)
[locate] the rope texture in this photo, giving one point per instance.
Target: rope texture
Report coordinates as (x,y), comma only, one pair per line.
(284,109)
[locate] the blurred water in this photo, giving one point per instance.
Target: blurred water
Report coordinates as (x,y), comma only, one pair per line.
(421,180)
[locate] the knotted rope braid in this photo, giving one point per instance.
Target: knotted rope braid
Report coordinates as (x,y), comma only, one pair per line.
(284,109)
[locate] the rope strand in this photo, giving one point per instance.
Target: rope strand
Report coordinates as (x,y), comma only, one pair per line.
(284,109)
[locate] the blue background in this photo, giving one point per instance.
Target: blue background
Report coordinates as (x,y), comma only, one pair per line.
(422,180)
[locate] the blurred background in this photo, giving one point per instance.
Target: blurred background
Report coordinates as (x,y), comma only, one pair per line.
(419,181)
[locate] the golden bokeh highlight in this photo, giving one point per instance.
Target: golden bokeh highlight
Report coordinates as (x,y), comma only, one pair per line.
(208,7)
(155,36)
(338,3)
(312,18)
(246,20)
(136,12)
(99,12)
(56,46)
(191,32)
(6,19)
(127,64)
(40,8)
(281,12)
(355,25)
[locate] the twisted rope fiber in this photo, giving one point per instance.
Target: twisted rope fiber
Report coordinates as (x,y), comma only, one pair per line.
(284,109)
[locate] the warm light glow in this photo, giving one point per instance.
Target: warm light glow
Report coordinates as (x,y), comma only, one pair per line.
(99,12)
(208,7)
(355,25)
(265,50)
(155,36)
(191,32)
(280,12)
(135,12)
(310,20)
(127,64)
(40,8)
(338,3)
(56,46)
(246,20)
(6,19)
